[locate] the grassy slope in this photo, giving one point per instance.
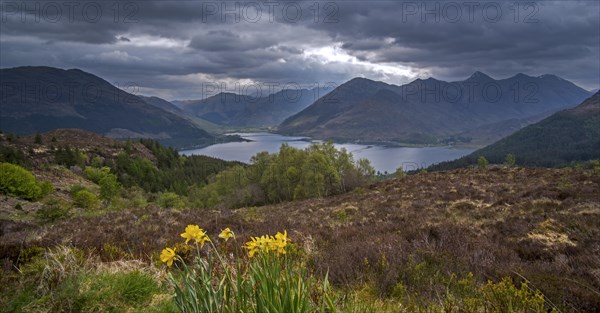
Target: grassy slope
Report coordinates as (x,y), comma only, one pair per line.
(541,224)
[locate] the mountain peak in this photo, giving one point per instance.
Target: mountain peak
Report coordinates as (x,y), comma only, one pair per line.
(425,80)
(360,79)
(361,82)
(550,76)
(522,76)
(479,76)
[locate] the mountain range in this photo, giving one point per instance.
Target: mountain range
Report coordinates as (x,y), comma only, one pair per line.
(571,135)
(234,110)
(478,110)
(40,99)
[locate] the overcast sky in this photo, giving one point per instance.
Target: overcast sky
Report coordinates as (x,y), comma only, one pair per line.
(174,49)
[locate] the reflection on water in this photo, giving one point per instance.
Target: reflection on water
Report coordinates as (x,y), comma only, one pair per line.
(382,158)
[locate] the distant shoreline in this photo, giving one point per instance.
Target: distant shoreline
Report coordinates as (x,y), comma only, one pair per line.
(386,144)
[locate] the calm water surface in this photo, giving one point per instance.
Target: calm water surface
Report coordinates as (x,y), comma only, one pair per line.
(382,158)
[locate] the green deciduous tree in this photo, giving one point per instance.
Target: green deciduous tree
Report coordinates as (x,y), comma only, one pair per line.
(319,170)
(109,186)
(170,200)
(482,162)
(399,173)
(509,160)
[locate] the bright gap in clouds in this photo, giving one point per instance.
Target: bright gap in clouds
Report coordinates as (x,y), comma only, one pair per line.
(151,41)
(391,72)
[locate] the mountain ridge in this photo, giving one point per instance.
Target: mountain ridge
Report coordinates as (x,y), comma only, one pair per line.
(455,108)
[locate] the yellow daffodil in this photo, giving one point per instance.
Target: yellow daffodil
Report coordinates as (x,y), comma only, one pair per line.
(281,241)
(191,232)
(267,243)
(196,233)
(252,246)
(226,234)
(168,256)
(282,237)
(201,239)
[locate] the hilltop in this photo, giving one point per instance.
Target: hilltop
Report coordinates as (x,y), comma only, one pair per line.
(40,99)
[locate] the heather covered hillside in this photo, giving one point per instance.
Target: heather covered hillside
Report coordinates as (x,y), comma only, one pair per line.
(463,239)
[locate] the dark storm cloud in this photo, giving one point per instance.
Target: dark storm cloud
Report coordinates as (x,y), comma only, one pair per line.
(171,47)
(223,40)
(532,37)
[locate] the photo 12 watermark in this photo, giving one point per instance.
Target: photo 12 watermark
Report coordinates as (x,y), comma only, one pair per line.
(470,92)
(69,12)
(270,11)
(325,12)
(77,93)
(469,11)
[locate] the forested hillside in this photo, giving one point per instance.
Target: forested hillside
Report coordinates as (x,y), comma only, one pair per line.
(142,163)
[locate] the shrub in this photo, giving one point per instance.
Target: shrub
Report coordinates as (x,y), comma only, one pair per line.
(53,210)
(482,162)
(17,181)
(509,160)
(76,188)
(12,155)
(170,200)
(97,162)
(38,138)
(136,197)
(108,187)
(96,174)
(504,296)
(46,188)
(399,172)
(85,199)
(69,157)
